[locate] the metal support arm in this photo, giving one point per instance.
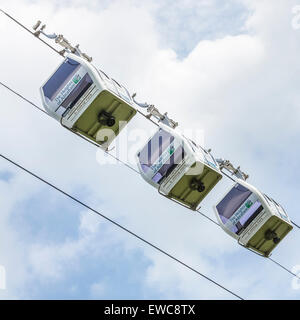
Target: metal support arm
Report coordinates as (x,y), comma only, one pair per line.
(154,112)
(61,40)
(237,172)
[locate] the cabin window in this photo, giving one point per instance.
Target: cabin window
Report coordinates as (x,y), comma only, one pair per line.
(69,82)
(238,208)
(160,156)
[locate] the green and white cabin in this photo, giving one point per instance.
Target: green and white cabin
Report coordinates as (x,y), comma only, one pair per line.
(180,170)
(87,101)
(255,220)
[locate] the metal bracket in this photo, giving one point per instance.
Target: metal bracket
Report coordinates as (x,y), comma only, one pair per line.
(60,40)
(154,112)
(237,172)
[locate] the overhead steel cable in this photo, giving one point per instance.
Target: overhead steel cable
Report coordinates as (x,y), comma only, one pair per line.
(120,226)
(22,97)
(283,267)
(207,217)
(130,167)
(295,224)
(32,33)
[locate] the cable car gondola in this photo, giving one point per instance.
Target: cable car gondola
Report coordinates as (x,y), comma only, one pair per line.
(87,101)
(180,170)
(255,220)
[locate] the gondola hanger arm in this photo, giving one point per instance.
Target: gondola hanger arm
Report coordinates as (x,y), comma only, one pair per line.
(235,171)
(60,40)
(154,112)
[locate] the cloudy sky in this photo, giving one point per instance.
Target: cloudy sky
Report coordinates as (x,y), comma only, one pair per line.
(231,70)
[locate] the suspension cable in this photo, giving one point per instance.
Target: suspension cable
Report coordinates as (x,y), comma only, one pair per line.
(119,226)
(25,28)
(284,268)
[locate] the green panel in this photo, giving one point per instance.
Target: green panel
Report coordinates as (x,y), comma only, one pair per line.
(263,246)
(88,124)
(183,193)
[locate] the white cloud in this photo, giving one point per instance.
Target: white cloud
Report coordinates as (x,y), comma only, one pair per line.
(53,261)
